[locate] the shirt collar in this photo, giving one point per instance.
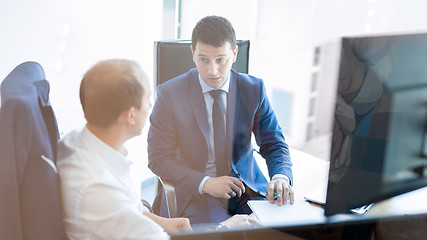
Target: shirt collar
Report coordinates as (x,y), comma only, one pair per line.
(115,159)
(206,88)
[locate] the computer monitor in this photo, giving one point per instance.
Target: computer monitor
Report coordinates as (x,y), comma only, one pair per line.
(379,139)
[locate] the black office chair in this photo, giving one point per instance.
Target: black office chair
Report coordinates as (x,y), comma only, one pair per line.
(29,195)
(173,58)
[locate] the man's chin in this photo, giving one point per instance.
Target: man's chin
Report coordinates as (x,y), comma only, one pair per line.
(137,133)
(215,83)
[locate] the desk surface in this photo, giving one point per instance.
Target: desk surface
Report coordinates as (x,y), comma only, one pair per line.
(310,171)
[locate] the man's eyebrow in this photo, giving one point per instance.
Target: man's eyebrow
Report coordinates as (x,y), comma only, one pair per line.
(220,55)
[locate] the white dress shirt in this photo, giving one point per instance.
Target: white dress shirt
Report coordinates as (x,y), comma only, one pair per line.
(210,170)
(98,197)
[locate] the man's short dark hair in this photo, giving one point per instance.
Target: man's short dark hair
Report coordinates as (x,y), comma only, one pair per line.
(215,31)
(109,88)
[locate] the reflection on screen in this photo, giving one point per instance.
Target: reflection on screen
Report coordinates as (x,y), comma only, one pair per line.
(380,120)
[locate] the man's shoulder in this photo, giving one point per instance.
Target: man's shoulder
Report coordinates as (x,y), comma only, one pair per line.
(71,150)
(66,145)
(78,166)
(244,78)
(246,82)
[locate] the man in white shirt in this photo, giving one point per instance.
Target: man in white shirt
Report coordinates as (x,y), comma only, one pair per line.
(99,198)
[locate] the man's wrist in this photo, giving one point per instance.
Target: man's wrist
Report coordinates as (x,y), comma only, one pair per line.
(276,176)
(202,184)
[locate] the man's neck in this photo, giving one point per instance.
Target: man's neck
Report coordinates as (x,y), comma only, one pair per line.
(112,136)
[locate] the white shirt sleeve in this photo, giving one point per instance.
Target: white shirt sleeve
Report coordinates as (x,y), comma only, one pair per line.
(280,176)
(202,183)
(106,213)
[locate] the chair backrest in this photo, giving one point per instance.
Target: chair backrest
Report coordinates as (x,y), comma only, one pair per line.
(29,195)
(173,58)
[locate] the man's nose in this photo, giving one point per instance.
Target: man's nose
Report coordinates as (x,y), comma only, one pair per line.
(213,68)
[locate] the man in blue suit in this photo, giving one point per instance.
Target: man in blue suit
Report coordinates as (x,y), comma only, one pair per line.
(200,134)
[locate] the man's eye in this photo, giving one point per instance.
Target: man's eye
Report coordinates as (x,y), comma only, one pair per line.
(221,60)
(204,60)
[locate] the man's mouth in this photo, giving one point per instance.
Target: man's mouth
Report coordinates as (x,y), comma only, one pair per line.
(214,78)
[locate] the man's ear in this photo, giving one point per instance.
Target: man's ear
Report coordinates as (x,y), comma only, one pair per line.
(192,53)
(236,50)
(128,116)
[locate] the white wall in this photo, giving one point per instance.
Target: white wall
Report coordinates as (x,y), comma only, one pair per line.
(283,35)
(68,37)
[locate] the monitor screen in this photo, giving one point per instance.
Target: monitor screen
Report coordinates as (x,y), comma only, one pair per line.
(379,146)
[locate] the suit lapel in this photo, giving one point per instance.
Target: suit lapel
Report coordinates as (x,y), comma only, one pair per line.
(43,87)
(231,114)
(199,106)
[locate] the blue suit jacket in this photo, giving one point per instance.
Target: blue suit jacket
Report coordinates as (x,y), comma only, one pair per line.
(29,195)
(179,134)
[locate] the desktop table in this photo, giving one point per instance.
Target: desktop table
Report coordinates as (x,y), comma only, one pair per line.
(408,211)
(310,172)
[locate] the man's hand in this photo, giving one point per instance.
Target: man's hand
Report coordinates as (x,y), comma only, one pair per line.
(224,187)
(282,187)
(172,225)
(241,220)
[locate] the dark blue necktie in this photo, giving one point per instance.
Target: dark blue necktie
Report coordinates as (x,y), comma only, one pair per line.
(218,119)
